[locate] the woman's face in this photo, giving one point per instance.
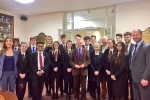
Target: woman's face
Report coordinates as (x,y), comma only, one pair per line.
(69,45)
(119,47)
(56,45)
(110,44)
(96,47)
(49,40)
(9,43)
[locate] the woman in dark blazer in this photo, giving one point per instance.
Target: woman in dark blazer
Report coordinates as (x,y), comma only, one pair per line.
(95,70)
(48,48)
(67,70)
(118,65)
(55,72)
(22,67)
(107,58)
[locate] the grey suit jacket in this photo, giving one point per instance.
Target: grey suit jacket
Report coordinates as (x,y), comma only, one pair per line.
(140,64)
(2,57)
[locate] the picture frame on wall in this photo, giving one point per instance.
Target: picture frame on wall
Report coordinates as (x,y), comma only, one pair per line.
(6,26)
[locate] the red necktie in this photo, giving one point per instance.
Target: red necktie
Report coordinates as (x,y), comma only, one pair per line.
(55,56)
(40,58)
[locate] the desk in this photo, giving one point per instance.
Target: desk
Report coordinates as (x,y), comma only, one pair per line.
(8,95)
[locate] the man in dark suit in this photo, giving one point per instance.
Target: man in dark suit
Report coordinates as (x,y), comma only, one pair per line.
(16,44)
(118,37)
(31,49)
(79,60)
(77,36)
(140,67)
(62,48)
(129,46)
(39,64)
(90,48)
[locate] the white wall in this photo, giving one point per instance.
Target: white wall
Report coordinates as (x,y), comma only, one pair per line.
(46,23)
(19,26)
(133,15)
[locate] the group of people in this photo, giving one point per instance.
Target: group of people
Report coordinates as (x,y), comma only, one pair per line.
(77,67)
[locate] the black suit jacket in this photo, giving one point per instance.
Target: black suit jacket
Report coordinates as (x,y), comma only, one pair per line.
(22,67)
(34,64)
(106,65)
(91,49)
(119,71)
(54,64)
(95,67)
(47,49)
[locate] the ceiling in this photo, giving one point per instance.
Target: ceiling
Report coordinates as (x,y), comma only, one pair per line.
(47,6)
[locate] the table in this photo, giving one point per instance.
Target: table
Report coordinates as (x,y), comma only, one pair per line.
(6,95)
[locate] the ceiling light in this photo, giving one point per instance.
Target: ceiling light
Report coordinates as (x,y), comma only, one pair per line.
(25,1)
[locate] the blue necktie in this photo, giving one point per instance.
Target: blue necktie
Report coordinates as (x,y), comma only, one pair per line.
(134,51)
(33,49)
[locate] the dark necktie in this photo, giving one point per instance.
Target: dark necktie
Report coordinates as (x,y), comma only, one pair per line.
(86,47)
(109,56)
(40,58)
(69,52)
(55,56)
(134,50)
(126,48)
(64,46)
(23,56)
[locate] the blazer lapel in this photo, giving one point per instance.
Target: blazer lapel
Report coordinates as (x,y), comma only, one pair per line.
(36,56)
(15,56)
(140,47)
(2,59)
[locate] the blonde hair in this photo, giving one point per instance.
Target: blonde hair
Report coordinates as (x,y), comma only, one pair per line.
(97,44)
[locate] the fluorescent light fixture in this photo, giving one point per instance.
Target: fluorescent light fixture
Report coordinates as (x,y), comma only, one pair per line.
(25,1)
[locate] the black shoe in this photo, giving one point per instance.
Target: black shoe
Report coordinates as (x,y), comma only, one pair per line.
(29,96)
(47,93)
(92,94)
(69,97)
(56,96)
(103,97)
(53,97)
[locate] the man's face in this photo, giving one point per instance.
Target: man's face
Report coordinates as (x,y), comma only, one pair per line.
(87,42)
(16,43)
(93,40)
(23,47)
(118,39)
(40,47)
(127,39)
(63,40)
(104,41)
(137,36)
(79,43)
(33,42)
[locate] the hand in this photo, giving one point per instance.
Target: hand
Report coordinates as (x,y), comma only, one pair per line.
(40,73)
(113,77)
(96,73)
(55,69)
(82,66)
(144,82)
(21,76)
(69,70)
(77,66)
(108,72)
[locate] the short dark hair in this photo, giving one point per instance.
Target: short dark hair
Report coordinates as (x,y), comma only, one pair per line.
(62,36)
(93,36)
(40,43)
(78,35)
(16,39)
(86,38)
(127,33)
(32,38)
(119,34)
